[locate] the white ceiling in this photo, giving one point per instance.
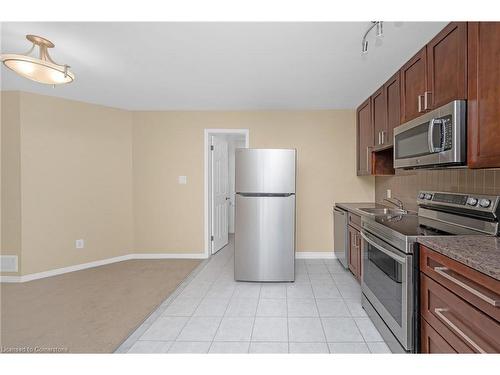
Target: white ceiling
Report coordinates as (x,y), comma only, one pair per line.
(218,66)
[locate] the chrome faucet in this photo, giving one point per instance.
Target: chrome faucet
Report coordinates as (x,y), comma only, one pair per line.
(397,203)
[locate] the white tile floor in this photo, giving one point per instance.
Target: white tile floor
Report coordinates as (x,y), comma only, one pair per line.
(211,313)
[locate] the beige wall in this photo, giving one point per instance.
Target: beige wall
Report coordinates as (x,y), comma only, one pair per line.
(11,177)
(75,182)
(73,170)
(169,217)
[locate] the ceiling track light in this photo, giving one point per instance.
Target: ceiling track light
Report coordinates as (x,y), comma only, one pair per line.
(379,33)
(40,69)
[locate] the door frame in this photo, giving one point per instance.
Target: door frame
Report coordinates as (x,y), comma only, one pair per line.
(207,176)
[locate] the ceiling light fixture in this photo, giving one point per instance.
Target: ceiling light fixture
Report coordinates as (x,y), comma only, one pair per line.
(41,69)
(379,34)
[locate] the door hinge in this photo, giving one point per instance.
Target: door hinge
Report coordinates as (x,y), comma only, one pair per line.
(211,148)
(211,238)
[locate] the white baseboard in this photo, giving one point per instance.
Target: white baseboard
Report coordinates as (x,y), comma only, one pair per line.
(10,279)
(97,263)
(315,255)
(170,256)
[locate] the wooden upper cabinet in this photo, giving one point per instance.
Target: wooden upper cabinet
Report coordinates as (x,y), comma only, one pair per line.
(413,86)
(364,137)
(447,66)
(392,107)
(483,105)
(379,117)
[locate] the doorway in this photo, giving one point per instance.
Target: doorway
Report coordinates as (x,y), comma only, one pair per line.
(220,146)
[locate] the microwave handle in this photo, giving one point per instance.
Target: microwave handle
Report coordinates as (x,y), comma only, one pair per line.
(430,136)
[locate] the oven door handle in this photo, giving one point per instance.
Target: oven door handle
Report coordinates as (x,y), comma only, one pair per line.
(389,253)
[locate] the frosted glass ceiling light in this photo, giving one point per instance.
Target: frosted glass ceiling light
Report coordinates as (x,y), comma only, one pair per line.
(40,69)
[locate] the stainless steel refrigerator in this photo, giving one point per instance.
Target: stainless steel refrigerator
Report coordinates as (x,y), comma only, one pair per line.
(265,215)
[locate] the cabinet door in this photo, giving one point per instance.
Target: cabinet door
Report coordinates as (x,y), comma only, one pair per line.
(483,104)
(354,251)
(360,257)
(393,107)
(432,342)
(447,66)
(364,137)
(378,117)
(413,86)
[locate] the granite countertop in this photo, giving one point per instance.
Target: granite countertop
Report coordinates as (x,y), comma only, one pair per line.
(354,207)
(481,253)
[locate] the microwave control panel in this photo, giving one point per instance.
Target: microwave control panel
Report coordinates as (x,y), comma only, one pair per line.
(447,132)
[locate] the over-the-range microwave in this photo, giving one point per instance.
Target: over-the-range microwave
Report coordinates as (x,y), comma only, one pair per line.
(435,139)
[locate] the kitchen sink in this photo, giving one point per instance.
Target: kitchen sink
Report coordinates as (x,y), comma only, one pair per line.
(383,211)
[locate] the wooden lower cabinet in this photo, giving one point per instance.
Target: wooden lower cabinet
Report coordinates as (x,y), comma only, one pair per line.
(452,317)
(432,342)
(355,252)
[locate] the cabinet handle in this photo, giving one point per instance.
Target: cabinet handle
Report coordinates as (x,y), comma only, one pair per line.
(440,313)
(443,272)
(378,138)
(420,103)
(383,136)
(426,100)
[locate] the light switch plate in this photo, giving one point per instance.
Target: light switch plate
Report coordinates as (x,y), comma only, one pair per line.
(80,244)
(389,193)
(8,263)
(182,180)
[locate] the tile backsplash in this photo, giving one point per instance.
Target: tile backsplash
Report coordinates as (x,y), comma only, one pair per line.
(406,184)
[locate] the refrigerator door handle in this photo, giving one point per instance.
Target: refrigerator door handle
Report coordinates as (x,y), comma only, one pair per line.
(257,195)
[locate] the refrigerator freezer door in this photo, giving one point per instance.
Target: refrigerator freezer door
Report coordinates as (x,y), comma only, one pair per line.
(265,170)
(264,238)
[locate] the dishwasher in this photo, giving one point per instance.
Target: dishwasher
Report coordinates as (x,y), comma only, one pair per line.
(340,237)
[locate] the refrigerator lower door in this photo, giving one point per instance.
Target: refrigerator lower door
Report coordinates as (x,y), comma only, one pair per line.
(264,238)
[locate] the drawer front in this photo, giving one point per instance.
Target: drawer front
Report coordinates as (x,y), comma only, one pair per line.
(355,220)
(465,328)
(432,342)
(475,287)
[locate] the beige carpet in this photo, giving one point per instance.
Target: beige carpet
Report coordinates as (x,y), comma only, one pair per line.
(89,311)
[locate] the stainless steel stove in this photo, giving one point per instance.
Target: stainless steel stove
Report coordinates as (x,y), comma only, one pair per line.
(390,257)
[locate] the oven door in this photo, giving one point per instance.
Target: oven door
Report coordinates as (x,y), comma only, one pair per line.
(388,285)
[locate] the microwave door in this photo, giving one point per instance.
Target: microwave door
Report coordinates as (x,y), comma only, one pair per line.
(418,145)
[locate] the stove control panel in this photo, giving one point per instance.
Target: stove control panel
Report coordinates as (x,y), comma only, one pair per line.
(487,203)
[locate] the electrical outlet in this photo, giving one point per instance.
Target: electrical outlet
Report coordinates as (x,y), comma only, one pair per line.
(80,244)
(389,193)
(182,180)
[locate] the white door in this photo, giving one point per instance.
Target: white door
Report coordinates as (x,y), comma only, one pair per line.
(220,193)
